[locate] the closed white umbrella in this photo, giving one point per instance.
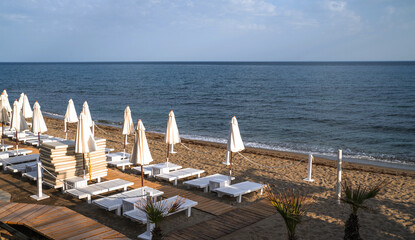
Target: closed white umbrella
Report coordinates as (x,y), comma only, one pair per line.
(18,122)
(85,109)
(84,141)
(141,152)
(21,99)
(172,134)
(127,125)
(4,114)
(26,110)
(6,104)
(38,123)
(235,143)
(70,116)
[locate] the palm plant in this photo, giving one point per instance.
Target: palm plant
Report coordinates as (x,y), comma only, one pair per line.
(291,205)
(157,211)
(355,197)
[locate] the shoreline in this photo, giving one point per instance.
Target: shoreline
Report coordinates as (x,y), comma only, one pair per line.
(388,168)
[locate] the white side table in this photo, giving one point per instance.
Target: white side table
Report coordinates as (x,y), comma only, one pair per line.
(76,182)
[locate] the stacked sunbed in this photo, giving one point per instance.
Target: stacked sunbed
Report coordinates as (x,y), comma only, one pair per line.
(59,158)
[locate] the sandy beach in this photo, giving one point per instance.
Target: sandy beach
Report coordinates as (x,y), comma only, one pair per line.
(392,214)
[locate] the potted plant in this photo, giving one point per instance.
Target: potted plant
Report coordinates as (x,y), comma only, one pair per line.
(291,205)
(156,213)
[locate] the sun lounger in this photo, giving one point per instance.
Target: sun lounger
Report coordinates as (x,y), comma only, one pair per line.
(20,167)
(18,160)
(18,152)
(108,150)
(4,155)
(140,216)
(35,142)
(148,169)
(31,175)
(203,182)
(118,156)
(5,147)
(179,174)
(98,188)
(33,137)
(122,163)
(114,202)
(239,189)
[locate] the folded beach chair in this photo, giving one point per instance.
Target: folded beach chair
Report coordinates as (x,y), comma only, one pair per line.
(114,202)
(140,216)
(122,163)
(157,168)
(19,152)
(19,159)
(179,174)
(203,182)
(239,189)
(98,188)
(118,156)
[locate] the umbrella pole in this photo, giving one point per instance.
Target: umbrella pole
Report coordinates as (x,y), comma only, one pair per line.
(168,151)
(38,138)
(125,143)
(90,170)
(2,129)
(142,176)
(230,167)
(17,142)
(83,161)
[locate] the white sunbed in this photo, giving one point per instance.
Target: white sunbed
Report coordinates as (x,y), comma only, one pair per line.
(239,189)
(203,182)
(21,167)
(34,137)
(148,169)
(122,163)
(108,150)
(18,160)
(35,142)
(140,216)
(5,147)
(18,152)
(118,156)
(179,174)
(31,175)
(114,202)
(98,188)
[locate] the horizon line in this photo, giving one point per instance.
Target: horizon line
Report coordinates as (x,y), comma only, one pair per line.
(219,61)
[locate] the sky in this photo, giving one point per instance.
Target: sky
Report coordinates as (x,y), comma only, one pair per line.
(206,30)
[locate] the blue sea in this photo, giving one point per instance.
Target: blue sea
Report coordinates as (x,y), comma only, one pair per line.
(367,109)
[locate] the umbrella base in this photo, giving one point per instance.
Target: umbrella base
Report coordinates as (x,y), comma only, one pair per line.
(39,198)
(226,163)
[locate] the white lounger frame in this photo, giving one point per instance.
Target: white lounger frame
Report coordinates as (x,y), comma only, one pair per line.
(179,174)
(114,202)
(98,188)
(239,189)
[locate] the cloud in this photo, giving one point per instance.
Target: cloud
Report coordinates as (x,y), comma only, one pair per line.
(252,26)
(337,6)
(259,7)
(16,17)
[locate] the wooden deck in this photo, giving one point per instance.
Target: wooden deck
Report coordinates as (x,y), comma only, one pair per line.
(226,223)
(205,204)
(55,222)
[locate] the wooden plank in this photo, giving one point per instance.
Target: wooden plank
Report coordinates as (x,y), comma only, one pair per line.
(11,211)
(80,231)
(91,233)
(25,210)
(4,210)
(68,227)
(67,219)
(105,234)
